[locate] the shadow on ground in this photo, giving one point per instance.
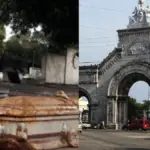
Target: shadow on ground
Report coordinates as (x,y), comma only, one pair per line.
(132,149)
(147,139)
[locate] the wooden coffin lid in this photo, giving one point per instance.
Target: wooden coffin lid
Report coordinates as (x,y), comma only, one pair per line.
(23,106)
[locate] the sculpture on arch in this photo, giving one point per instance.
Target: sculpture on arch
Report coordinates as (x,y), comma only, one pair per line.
(140,16)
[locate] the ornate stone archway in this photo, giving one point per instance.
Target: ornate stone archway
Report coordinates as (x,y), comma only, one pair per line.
(128,63)
(131,68)
(119,87)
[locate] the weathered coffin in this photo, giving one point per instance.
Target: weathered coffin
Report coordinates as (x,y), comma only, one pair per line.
(40,122)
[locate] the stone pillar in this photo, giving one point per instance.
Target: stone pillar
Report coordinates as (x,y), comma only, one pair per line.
(119,115)
(118,112)
(125,112)
(89,115)
(115,114)
(112,113)
(122,113)
(109,112)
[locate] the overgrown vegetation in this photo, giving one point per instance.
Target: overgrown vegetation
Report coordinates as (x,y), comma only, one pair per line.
(29,47)
(59,28)
(58,19)
(136,110)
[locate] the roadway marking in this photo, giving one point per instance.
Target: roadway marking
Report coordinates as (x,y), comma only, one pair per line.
(133,135)
(138,137)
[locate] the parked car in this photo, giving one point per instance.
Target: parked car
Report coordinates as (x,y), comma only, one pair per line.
(126,126)
(138,124)
(86,125)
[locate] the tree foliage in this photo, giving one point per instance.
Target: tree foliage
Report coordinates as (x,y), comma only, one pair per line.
(146,105)
(27,46)
(58,19)
(136,110)
(132,108)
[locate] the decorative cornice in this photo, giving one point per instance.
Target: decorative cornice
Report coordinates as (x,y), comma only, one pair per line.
(110,55)
(133,30)
(88,67)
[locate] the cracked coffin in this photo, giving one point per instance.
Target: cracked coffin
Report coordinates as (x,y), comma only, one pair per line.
(43,122)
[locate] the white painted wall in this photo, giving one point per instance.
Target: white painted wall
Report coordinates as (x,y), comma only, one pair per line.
(55,68)
(59,69)
(35,72)
(72,74)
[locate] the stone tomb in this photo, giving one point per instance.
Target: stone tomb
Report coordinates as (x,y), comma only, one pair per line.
(39,122)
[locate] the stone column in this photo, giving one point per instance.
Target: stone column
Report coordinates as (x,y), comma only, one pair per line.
(118,112)
(112,113)
(115,114)
(125,112)
(120,115)
(89,115)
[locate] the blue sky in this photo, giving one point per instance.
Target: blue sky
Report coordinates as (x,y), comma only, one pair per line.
(99,20)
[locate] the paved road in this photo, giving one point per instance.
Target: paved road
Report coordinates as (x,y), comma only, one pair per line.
(113,140)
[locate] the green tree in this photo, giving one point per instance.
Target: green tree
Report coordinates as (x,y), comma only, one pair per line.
(146,105)
(139,110)
(136,110)
(58,19)
(27,46)
(132,108)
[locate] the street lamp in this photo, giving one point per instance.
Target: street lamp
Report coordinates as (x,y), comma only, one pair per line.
(148,112)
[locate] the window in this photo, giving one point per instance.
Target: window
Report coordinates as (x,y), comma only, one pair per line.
(141,122)
(134,122)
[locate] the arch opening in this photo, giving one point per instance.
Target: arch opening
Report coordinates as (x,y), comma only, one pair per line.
(126,84)
(119,87)
(83,103)
(139,91)
(124,90)
(84,106)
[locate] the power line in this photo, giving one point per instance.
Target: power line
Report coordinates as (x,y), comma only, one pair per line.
(87,62)
(97,46)
(95,37)
(110,9)
(95,27)
(97,42)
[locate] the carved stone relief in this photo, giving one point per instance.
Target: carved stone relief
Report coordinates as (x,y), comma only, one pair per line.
(110,64)
(137,42)
(137,48)
(88,76)
(110,111)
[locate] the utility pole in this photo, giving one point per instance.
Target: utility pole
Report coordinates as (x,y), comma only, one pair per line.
(149,95)
(148,112)
(97,77)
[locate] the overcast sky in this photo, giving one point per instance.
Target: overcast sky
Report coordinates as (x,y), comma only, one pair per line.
(99,20)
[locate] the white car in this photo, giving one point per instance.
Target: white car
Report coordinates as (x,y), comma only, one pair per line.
(86,125)
(80,127)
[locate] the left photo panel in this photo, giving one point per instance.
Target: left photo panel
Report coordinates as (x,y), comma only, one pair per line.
(39,75)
